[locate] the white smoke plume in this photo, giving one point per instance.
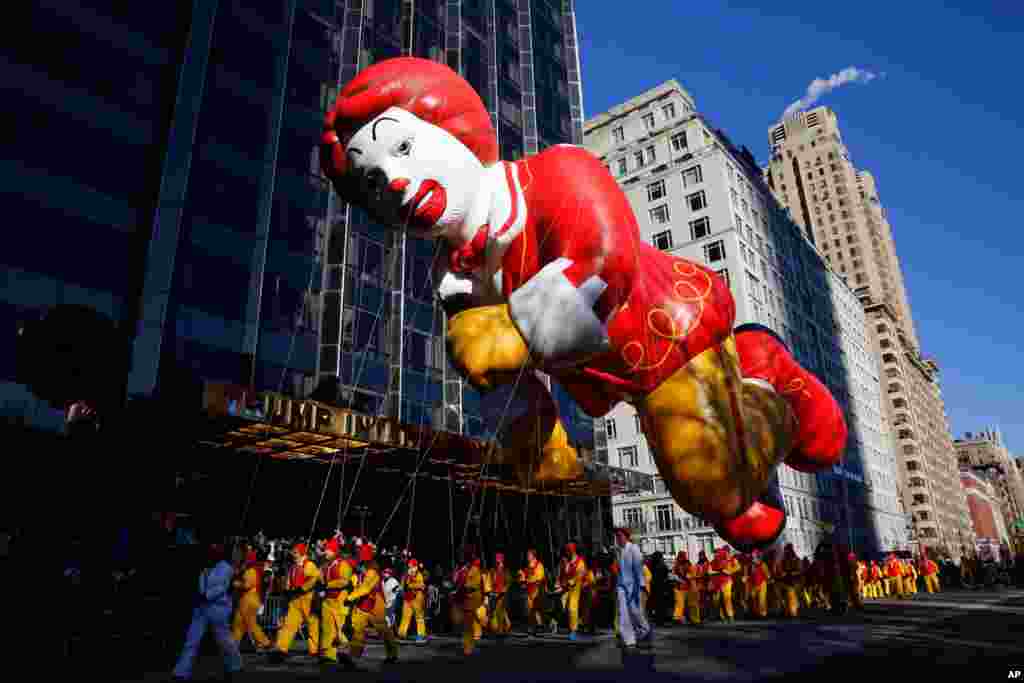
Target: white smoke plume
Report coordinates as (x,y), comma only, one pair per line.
(821,86)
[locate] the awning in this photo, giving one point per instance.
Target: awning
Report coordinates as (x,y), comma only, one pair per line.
(308,431)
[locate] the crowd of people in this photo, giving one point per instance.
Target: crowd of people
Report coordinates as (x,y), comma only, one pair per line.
(337,591)
(420,593)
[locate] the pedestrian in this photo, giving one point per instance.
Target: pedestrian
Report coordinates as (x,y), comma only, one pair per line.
(633,625)
(211,612)
(392,589)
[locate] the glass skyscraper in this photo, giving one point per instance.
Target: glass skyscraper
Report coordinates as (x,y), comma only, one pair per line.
(165,172)
(521,56)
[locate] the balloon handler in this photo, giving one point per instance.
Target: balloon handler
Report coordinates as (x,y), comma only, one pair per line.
(544,270)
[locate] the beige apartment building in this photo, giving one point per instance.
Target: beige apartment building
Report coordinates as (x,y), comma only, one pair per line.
(986,450)
(838,208)
(698,195)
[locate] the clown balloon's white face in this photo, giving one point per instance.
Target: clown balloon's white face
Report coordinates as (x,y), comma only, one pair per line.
(413,174)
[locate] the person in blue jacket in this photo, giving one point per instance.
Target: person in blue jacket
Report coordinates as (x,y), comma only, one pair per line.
(633,625)
(212,611)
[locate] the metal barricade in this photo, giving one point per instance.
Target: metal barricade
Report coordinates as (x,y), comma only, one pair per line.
(274,609)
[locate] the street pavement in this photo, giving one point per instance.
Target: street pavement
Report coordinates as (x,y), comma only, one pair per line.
(976,631)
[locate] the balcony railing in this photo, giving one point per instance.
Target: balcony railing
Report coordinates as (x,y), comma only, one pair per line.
(674,525)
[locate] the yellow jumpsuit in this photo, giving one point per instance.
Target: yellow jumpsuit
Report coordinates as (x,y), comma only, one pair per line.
(534,578)
(877,591)
(472,603)
(893,579)
(340,579)
(499,580)
(789,582)
(249,603)
(482,617)
(572,585)
(806,581)
(721,585)
(760,575)
(739,587)
(413,587)
(931,577)
(369,611)
(695,581)
(679,590)
(300,609)
(911,577)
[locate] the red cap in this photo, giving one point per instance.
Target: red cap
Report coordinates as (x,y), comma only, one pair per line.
(366,552)
(299,548)
(250,557)
(332,546)
(413,564)
(499,557)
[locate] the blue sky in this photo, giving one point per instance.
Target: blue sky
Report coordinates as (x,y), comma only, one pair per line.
(942,133)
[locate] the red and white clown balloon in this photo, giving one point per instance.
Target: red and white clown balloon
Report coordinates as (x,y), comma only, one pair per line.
(545,270)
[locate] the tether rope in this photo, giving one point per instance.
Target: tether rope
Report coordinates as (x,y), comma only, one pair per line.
(280,388)
(515,386)
(355,382)
(411,483)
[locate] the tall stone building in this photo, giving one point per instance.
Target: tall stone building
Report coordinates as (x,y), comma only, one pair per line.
(697,195)
(983,501)
(837,207)
(986,450)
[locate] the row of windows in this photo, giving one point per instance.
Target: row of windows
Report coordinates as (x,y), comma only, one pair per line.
(648,156)
(668,112)
(659,215)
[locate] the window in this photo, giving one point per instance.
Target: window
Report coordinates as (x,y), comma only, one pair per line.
(651,156)
(724,274)
(669,110)
(618,135)
(714,252)
(697,201)
(700,228)
(649,120)
(633,518)
(639,158)
(636,423)
(659,214)
(679,142)
(692,176)
(622,167)
(656,191)
(609,428)
(663,516)
(662,240)
(628,457)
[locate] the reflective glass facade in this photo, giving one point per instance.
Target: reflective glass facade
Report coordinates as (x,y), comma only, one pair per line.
(167,163)
(534,104)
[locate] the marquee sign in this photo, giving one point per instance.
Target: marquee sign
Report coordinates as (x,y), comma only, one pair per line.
(284,428)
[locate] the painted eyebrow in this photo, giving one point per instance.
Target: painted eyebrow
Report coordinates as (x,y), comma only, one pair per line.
(355,150)
(373,131)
